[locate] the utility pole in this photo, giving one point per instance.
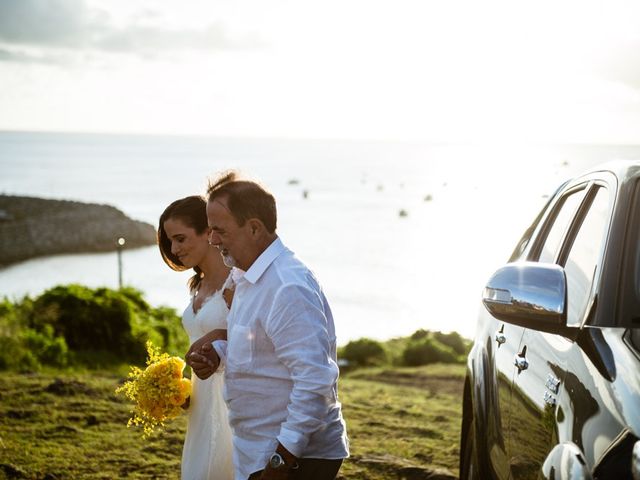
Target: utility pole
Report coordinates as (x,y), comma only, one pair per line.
(120,243)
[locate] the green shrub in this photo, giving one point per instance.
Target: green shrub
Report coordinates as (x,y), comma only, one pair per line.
(87,319)
(427,350)
(166,324)
(77,325)
(15,355)
(103,326)
(10,352)
(364,352)
(45,347)
(453,340)
(420,333)
(13,316)
(27,362)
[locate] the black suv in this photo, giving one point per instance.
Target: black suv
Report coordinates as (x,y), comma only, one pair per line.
(553,380)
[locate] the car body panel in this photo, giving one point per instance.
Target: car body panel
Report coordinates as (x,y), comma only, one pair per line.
(574,412)
(535,392)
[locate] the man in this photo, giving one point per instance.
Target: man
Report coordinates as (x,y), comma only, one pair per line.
(280,357)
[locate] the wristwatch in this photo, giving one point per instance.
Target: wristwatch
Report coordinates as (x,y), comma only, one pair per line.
(281,459)
(276,461)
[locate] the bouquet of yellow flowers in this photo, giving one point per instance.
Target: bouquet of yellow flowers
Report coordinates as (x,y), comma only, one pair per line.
(159,391)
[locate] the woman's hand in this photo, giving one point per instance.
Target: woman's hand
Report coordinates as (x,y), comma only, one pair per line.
(218,334)
(205,361)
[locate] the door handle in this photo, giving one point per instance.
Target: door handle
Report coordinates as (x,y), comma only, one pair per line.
(500,336)
(521,362)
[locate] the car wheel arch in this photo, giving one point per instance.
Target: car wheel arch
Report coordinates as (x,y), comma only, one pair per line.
(565,462)
(474,407)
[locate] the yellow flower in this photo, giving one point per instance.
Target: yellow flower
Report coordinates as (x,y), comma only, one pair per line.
(158,391)
(185,387)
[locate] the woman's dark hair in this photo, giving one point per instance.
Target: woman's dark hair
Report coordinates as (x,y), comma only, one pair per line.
(245,199)
(192,211)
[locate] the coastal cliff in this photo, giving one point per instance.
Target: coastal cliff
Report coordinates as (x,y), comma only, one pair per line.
(33,227)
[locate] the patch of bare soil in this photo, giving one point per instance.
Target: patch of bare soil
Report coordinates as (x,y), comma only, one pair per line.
(401,468)
(433,383)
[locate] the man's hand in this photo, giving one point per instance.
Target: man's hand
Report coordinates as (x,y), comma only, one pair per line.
(285,472)
(204,362)
(218,334)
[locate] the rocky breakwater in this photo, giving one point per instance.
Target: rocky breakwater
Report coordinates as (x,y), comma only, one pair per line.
(32,227)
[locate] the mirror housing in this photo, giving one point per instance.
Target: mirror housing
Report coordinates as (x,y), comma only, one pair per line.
(529,294)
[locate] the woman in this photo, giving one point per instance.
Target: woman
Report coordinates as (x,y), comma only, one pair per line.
(183,241)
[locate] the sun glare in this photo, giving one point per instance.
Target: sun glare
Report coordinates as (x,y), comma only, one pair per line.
(442,71)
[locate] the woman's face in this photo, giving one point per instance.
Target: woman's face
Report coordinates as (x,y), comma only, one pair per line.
(190,247)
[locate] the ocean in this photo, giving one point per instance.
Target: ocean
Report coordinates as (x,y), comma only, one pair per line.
(401,235)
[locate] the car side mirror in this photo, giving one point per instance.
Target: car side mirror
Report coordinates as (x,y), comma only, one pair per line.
(532,295)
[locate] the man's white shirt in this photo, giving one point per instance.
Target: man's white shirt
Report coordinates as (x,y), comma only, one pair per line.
(280,364)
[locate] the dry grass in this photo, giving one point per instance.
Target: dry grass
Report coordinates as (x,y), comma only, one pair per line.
(402,423)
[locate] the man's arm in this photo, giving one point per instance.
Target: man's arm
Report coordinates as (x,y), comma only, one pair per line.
(283,471)
(217,334)
(298,329)
(202,357)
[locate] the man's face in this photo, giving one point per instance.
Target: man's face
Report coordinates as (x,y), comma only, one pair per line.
(235,242)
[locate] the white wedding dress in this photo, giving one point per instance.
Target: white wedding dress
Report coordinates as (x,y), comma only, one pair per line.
(207,453)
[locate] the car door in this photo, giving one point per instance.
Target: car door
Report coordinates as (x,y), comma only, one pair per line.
(544,356)
(502,340)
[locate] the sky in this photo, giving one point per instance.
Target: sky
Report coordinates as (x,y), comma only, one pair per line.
(440,71)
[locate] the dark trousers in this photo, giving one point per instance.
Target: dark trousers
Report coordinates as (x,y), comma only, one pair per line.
(311,469)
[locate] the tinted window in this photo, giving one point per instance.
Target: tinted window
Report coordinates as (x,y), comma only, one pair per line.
(584,255)
(568,206)
(526,237)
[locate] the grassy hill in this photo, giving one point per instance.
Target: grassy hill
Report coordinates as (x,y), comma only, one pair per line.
(403,423)
(61,359)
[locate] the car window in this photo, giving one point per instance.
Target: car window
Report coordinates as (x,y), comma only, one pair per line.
(565,210)
(521,247)
(523,243)
(584,255)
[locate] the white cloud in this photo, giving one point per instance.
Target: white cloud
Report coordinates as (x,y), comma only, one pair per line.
(453,71)
(48,22)
(69,28)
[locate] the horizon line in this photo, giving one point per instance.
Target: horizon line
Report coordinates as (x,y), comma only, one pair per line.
(461,142)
